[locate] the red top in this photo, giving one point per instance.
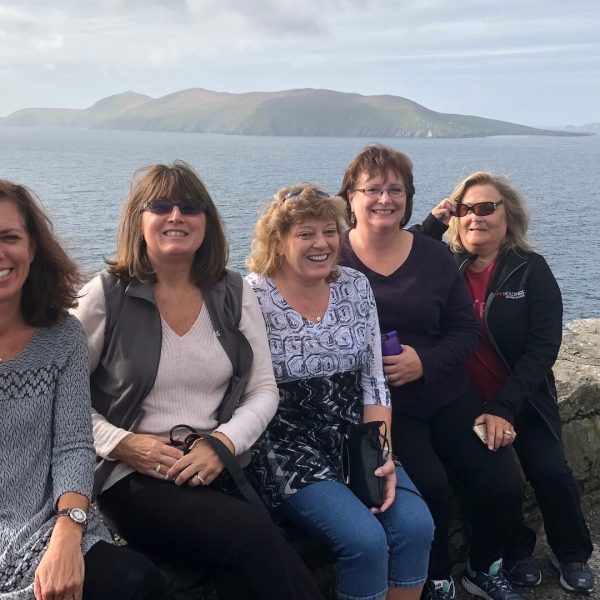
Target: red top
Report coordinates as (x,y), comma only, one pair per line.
(486,369)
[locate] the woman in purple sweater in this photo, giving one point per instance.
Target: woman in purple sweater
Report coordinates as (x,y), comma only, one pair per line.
(420,294)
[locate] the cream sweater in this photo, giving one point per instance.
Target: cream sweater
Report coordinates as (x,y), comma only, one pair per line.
(192,377)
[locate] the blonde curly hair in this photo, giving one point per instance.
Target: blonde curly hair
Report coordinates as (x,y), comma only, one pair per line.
(292,204)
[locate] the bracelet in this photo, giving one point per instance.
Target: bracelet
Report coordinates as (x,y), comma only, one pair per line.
(191,446)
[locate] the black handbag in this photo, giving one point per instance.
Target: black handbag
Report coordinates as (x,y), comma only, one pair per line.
(364,449)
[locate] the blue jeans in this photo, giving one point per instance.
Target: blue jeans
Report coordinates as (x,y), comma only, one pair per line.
(372,551)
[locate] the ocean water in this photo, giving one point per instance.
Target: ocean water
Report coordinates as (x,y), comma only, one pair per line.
(83,177)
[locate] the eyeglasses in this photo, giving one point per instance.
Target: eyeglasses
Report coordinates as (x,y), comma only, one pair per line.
(183,436)
(395,191)
(162,206)
(481,209)
(295,192)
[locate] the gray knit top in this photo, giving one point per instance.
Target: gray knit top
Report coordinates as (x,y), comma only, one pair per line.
(46,449)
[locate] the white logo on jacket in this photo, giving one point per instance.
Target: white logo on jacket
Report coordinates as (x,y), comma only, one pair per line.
(512,295)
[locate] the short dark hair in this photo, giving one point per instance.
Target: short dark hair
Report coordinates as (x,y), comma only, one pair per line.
(377,159)
(177,181)
(50,288)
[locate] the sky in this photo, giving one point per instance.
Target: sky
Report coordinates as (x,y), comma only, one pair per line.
(526,61)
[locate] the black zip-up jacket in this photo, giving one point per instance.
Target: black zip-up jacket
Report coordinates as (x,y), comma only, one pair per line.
(523,319)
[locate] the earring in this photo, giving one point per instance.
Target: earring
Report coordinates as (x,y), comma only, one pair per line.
(279,260)
(352,218)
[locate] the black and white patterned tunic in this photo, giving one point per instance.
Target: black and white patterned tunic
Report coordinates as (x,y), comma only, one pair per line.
(46,449)
(325,372)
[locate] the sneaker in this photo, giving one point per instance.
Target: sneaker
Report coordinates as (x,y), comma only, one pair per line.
(438,589)
(524,572)
(493,585)
(574,576)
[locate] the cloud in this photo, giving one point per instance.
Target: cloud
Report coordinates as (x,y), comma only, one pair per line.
(366,46)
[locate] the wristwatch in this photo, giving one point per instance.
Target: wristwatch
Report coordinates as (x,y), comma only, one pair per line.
(77,515)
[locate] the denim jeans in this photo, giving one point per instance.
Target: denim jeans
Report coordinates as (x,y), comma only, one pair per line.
(372,551)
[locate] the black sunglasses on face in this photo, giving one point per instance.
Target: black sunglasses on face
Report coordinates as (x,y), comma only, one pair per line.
(294,193)
(481,209)
(162,206)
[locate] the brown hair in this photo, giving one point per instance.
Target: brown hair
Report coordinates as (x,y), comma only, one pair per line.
(178,182)
(377,159)
(515,208)
(275,223)
(50,287)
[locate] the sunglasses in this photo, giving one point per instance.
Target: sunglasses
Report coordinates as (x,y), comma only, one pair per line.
(183,436)
(162,206)
(481,209)
(294,193)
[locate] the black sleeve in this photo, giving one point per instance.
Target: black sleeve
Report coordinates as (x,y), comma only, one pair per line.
(431,227)
(544,335)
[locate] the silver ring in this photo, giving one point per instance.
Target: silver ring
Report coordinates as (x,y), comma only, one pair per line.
(157,469)
(508,432)
(200,479)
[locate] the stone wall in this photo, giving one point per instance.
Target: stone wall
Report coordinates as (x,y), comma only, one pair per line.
(577,373)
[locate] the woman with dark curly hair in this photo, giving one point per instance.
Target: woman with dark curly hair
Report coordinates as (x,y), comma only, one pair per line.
(53,545)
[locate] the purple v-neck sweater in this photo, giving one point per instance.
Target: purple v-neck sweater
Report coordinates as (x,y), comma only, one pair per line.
(426,301)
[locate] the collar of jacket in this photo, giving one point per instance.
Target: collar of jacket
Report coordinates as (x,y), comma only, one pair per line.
(508,261)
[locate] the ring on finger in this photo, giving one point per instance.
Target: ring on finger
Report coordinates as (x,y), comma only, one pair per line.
(157,468)
(508,432)
(200,479)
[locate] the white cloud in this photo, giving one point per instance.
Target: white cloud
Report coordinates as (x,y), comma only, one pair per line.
(100,47)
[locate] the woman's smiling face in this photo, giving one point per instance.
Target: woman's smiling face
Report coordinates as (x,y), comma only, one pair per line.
(483,235)
(16,252)
(310,249)
(379,211)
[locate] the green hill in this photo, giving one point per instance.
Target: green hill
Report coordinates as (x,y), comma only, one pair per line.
(303,112)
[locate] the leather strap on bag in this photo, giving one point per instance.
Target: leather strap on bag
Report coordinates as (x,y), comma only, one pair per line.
(236,472)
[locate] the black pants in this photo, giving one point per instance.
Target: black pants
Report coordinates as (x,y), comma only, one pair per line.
(119,573)
(245,552)
(491,480)
(543,460)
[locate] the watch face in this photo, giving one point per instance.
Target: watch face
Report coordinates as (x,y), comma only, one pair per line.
(78,515)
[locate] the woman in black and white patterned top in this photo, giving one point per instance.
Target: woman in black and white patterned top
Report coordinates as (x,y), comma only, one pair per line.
(46,451)
(324,338)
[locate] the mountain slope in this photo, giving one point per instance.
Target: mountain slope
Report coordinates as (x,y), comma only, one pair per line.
(301,112)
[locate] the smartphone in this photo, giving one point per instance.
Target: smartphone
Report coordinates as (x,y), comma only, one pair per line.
(481,432)
(390,344)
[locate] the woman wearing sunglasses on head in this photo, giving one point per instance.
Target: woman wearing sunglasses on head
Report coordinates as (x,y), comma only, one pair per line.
(324,338)
(421,296)
(182,381)
(518,304)
(53,545)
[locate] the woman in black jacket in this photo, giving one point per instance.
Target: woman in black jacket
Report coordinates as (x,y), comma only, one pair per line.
(518,303)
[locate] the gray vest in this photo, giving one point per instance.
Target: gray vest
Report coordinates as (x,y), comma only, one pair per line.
(132,342)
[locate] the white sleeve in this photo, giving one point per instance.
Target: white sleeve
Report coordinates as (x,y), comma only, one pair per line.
(91,312)
(261,397)
(375,390)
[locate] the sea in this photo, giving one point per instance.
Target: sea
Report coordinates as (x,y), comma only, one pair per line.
(83,176)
